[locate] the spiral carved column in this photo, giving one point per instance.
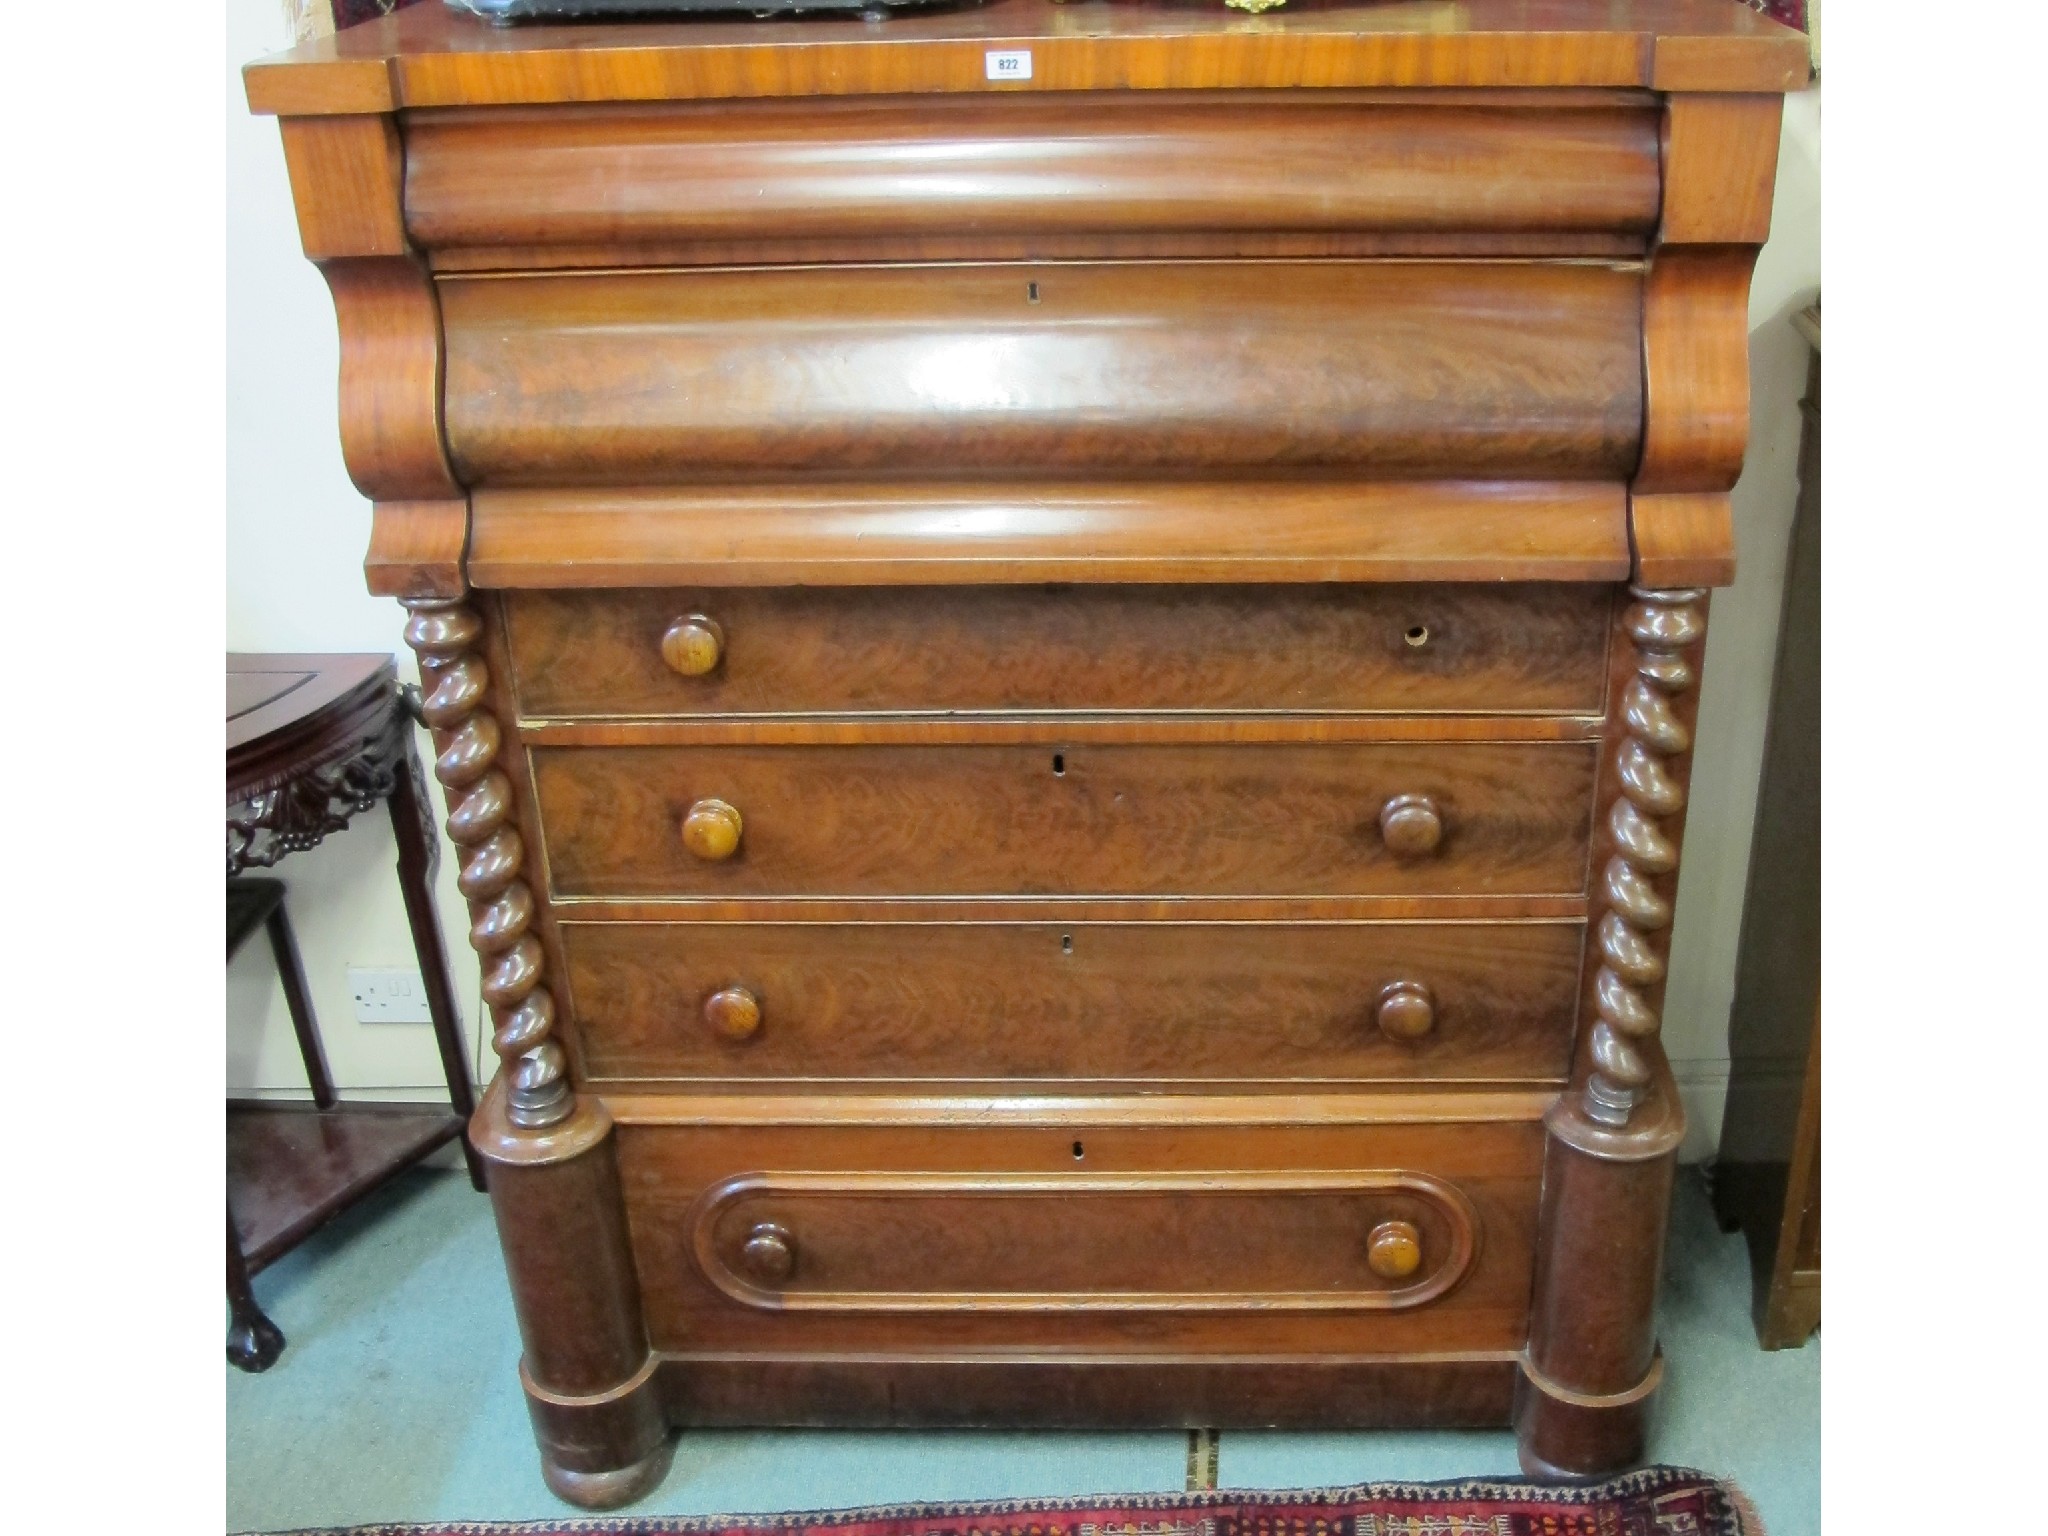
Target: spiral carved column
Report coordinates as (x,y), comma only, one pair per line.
(1663,625)
(443,633)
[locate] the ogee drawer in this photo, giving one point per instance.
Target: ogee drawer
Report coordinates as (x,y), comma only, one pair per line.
(1046,1002)
(1451,370)
(1331,1237)
(1531,648)
(1213,819)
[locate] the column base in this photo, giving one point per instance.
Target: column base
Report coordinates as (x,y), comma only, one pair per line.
(1565,1436)
(605,1450)
(611,1489)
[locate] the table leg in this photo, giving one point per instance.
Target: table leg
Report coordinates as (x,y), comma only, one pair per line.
(418,857)
(298,1003)
(254,1341)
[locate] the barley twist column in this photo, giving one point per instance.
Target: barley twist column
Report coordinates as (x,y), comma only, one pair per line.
(443,633)
(1663,625)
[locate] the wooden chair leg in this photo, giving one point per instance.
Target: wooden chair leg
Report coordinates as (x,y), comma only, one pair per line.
(298,1002)
(418,857)
(254,1341)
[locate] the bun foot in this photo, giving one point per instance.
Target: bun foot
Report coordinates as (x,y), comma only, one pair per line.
(254,1341)
(612,1489)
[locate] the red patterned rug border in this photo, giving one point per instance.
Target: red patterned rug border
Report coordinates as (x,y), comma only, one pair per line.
(1733,1515)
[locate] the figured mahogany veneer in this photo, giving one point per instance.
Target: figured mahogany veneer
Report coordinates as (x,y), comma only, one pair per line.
(663,182)
(1394,649)
(1100,1239)
(1052,1002)
(1280,819)
(1403,368)
(1068,702)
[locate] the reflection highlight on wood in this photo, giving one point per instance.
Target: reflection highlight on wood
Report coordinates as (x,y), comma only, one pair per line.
(1405,369)
(1160,531)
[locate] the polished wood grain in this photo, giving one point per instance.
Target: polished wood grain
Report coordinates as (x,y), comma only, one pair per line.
(876,1198)
(1158,531)
(1073,527)
(1067,820)
(1695,369)
(1391,648)
(867,1242)
(421,57)
(1068,909)
(1720,164)
(1154,727)
(347,177)
(1648,772)
(416,548)
(390,379)
(1683,539)
(1511,369)
(1306,1113)
(346,188)
(1026,166)
(912,1388)
(1072,1001)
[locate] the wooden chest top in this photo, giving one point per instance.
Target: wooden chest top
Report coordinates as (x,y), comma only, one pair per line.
(425,56)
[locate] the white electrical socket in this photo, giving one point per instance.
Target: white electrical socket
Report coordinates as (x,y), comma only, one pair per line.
(388,995)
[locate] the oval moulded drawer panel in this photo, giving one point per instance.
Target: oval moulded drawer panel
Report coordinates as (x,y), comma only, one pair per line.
(1215,819)
(1468,370)
(1023,166)
(1246,1238)
(1082,1242)
(1532,649)
(1077,1002)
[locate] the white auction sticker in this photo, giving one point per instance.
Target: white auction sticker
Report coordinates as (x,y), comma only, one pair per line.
(1009,63)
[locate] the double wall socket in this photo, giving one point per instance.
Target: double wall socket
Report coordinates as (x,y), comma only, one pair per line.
(388,995)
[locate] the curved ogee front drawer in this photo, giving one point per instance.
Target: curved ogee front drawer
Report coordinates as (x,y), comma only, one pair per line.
(1458,370)
(1267,818)
(666,177)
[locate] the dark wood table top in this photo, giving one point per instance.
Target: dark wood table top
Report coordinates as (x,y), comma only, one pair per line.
(288,713)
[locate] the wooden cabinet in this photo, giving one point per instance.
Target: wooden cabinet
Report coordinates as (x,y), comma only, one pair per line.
(1066,706)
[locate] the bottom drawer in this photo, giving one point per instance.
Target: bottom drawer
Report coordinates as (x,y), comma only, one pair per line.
(1168,1225)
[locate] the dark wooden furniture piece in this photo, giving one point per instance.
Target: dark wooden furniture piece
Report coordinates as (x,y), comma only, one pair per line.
(1767,1176)
(312,740)
(1066,699)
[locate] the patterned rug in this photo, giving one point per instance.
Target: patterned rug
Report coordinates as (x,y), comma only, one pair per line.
(1657,1501)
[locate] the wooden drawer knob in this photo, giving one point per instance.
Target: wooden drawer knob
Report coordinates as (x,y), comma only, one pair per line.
(711,829)
(733,1012)
(1393,1251)
(1407,1011)
(1411,826)
(769,1253)
(693,645)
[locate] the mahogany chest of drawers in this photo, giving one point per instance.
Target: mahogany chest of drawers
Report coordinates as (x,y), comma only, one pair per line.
(1065,704)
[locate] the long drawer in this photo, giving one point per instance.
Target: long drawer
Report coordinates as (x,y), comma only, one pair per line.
(1328,1238)
(947,170)
(1213,819)
(653,652)
(1468,370)
(1075,1002)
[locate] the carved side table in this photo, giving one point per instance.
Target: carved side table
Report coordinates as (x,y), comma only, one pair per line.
(312,740)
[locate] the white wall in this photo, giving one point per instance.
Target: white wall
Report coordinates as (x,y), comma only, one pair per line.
(297,531)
